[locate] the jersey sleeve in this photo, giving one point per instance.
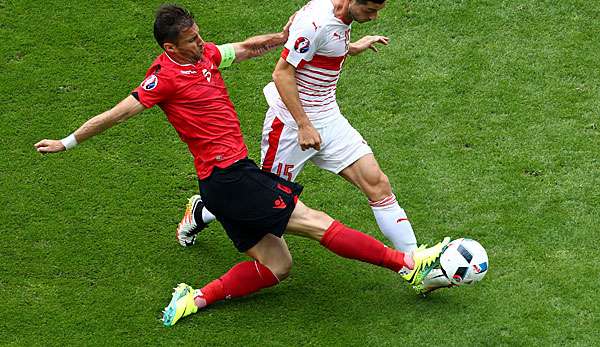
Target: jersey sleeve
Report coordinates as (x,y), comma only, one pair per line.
(302,42)
(154,89)
(213,53)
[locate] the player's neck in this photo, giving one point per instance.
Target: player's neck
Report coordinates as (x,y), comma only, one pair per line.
(177,59)
(342,11)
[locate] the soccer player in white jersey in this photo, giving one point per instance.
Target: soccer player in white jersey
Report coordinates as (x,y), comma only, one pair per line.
(304,121)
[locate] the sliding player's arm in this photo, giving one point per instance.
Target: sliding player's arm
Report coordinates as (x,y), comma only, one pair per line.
(253,47)
(124,110)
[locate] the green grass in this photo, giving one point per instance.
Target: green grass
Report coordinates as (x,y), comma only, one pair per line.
(484,115)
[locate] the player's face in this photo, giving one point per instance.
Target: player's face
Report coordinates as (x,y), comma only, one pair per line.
(189,45)
(364,12)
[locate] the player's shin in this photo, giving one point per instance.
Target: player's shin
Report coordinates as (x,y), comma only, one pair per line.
(394,224)
(243,279)
(353,244)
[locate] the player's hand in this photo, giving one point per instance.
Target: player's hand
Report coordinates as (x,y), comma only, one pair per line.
(308,137)
(49,146)
(369,42)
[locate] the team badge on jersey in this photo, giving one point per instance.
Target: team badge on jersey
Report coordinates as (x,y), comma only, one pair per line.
(302,45)
(150,83)
(206,74)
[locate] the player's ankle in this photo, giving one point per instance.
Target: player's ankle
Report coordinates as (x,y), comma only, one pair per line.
(199,299)
(408,260)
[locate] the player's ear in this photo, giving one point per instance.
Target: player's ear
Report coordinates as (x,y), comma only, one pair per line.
(169,47)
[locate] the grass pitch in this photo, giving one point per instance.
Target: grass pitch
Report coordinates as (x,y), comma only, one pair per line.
(484,115)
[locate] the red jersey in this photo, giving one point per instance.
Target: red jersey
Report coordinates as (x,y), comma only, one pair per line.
(195,101)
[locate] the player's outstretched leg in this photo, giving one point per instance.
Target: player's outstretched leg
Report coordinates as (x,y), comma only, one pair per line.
(413,266)
(195,219)
(273,263)
(243,279)
(353,244)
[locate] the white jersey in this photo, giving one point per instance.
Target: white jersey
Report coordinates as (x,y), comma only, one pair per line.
(316,47)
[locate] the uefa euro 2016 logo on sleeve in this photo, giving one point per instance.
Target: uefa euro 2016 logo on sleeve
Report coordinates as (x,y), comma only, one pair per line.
(150,83)
(302,44)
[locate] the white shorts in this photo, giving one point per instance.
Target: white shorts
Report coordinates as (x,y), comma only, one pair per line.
(341,145)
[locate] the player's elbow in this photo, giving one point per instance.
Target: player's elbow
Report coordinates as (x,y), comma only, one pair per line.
(283,72)
(280,77)
(276,75)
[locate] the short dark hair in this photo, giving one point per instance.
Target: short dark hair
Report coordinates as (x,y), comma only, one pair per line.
(170,20)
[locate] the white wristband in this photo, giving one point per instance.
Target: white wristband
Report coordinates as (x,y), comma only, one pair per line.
(69,141)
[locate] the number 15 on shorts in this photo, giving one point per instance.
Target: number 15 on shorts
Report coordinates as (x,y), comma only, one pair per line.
(283,171)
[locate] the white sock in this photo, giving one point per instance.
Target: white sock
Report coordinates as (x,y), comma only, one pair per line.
(205,214)
(207,217)
(394,224)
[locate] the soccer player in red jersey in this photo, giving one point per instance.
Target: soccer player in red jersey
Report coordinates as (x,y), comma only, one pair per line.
(255,207)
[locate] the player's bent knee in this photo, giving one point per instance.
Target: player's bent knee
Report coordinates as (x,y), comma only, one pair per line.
(379,181)
(284,271)
(378,187)
(272,252)
(281,269)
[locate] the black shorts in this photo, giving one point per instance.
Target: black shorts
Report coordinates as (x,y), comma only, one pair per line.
(249,202)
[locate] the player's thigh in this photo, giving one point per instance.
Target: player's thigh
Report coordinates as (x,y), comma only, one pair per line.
(280,152)
(308,222)
(273,252)
(342,146)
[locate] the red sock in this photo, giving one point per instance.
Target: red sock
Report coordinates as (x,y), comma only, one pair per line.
(244,278)
(349,243)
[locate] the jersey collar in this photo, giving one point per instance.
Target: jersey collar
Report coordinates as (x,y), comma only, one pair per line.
(171,59)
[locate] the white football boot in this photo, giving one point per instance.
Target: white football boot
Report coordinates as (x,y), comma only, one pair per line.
(188,228)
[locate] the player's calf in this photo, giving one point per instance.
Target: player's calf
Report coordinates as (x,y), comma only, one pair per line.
(243,279)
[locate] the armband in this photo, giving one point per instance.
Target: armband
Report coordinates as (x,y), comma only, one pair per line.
(227,55)
(69,141)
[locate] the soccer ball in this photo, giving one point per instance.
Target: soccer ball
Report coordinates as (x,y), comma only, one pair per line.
(464,262)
